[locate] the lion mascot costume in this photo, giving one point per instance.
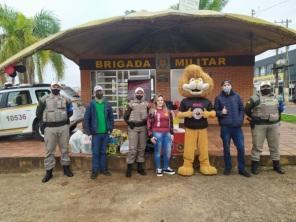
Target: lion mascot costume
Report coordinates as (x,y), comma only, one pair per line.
(195,85)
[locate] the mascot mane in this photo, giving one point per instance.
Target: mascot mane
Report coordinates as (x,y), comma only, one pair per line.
(194,71)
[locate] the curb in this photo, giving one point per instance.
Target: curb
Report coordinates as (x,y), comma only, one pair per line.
(118,162)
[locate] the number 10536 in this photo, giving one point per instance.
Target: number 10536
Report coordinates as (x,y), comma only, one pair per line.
(16,117)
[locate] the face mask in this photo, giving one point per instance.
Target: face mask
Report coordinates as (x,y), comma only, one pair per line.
(55,91)
(139,97)
(265,91)
(227,89)
(99,95)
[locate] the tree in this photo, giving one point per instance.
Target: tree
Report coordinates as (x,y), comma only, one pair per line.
(17,32)
(129,12)
(215,5)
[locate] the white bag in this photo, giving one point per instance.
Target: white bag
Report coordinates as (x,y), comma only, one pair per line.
(85,144)
(124,147)
(75,142)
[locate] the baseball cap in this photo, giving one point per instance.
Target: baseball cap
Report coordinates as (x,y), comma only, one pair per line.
(96,88)
(54,83)
(139,89)
(225,81)
(265,83)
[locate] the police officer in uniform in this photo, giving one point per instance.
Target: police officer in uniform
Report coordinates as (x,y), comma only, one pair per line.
(136,117)
(264,110)
(54,110)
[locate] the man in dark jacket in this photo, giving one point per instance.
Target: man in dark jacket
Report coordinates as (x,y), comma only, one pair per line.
(230,112)
(99,123)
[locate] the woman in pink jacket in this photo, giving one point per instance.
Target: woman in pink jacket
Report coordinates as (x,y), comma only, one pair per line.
(160,129)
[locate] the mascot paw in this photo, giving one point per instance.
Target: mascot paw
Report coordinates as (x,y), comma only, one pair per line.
(207,114)
(208,170)
(185,171)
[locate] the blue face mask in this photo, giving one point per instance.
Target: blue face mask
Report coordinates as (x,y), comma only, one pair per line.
(227,89)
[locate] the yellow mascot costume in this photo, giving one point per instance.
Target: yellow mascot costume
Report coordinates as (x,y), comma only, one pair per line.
(195,85)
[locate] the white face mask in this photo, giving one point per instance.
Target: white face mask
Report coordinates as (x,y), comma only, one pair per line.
(227,88)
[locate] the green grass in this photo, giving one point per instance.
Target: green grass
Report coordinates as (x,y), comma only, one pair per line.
(288,118)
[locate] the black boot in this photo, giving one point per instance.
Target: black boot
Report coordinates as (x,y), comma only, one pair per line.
(67,171)
(129,170)
(277,167)
(47,176)
(255,167)
(141,169)
(244,173)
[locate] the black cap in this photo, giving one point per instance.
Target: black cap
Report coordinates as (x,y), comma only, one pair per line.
(225,81)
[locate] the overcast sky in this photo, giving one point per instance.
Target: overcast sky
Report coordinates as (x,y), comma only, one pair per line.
(74,12)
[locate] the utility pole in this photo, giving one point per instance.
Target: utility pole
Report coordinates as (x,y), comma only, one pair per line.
(253,13)
(286,69)
(276,85)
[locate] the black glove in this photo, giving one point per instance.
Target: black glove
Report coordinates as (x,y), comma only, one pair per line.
(131,125)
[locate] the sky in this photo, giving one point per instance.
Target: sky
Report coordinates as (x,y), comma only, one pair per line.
(72,13)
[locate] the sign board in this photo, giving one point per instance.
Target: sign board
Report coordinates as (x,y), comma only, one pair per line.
(165,62)
(119,63)
(269,77)
(189,5)
(212,61)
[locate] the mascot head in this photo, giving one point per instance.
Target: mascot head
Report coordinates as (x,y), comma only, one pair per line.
(194,82)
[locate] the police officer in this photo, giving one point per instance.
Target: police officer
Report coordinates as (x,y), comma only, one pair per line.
(54,110)
(264,110)
(136,117)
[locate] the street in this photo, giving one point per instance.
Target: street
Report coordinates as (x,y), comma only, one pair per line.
(290,109)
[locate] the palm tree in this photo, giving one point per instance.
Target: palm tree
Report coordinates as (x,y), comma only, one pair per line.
(215,5)
(45,24)
(18,32)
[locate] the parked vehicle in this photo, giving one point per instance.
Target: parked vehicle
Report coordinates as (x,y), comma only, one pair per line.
(18,105)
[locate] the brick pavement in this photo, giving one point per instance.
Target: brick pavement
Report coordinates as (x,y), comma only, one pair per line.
(27,147)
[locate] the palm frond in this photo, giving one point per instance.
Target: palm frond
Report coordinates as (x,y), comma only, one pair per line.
(58,64)
(45,24)
(18,31)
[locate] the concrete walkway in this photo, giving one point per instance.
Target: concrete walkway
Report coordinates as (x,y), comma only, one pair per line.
(22,153)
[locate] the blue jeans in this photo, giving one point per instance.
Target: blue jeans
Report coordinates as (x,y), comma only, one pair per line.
(99,148)
(237,136)
(164,144)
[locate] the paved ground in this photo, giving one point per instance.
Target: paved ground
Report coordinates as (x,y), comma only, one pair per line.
(266,197)
(29,147)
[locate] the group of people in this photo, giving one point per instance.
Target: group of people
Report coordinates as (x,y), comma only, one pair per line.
(263,111)
(155,120)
